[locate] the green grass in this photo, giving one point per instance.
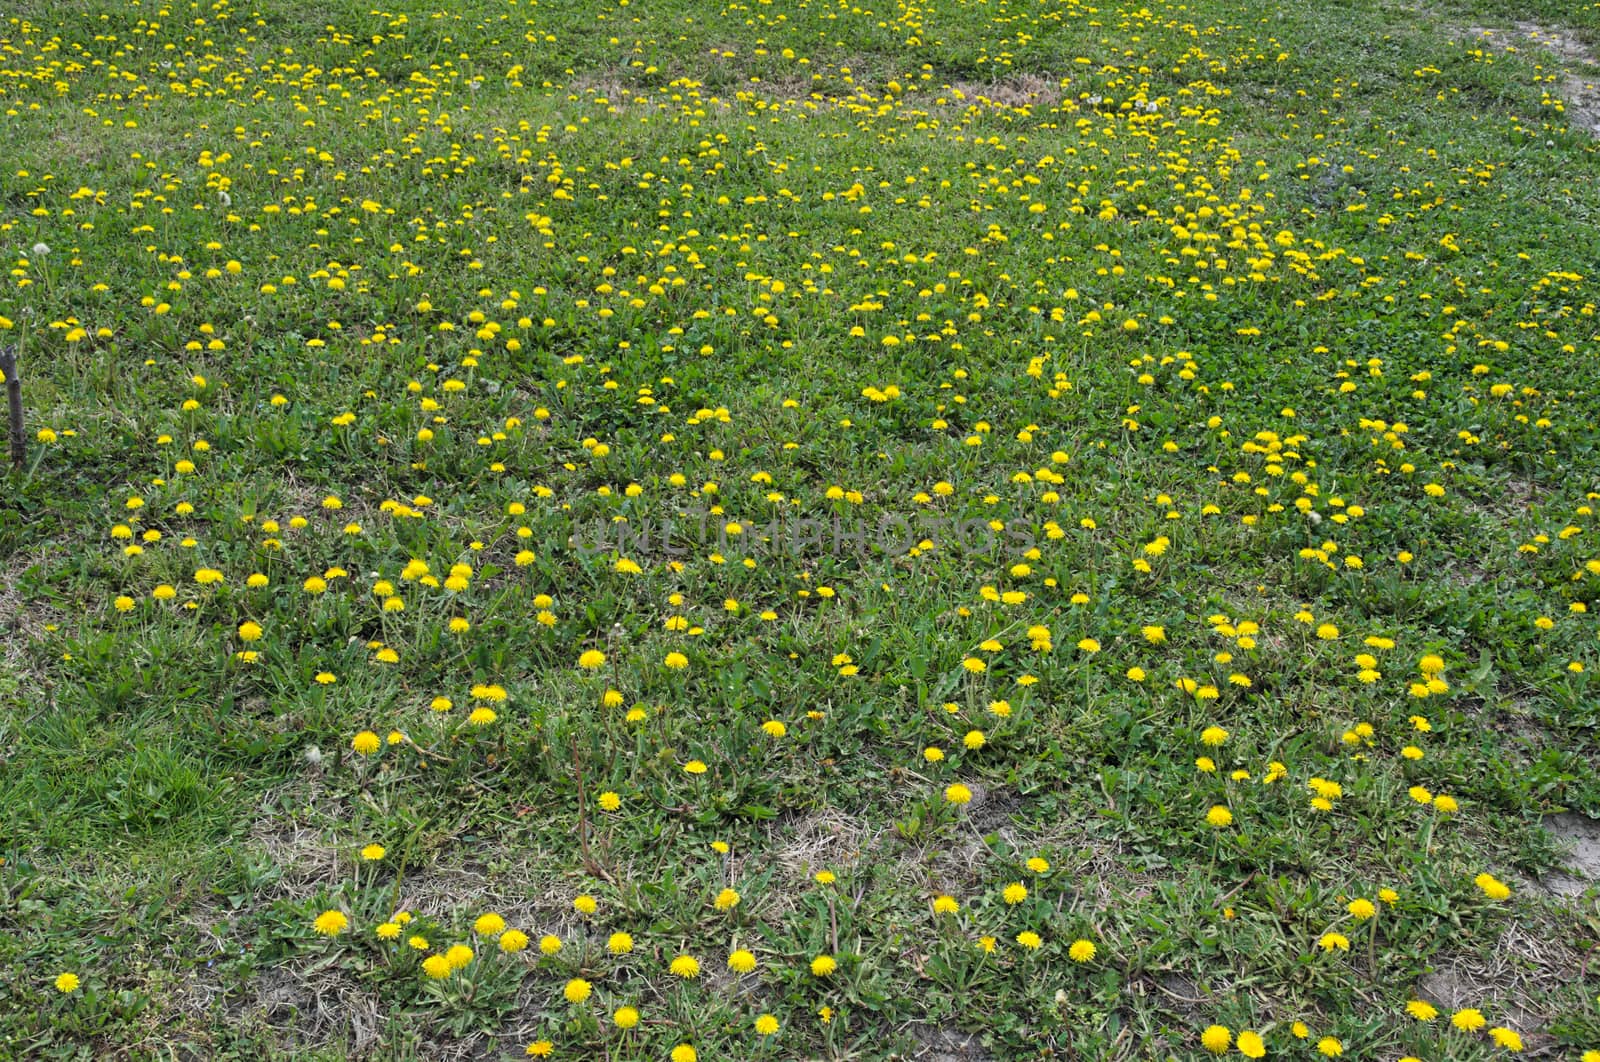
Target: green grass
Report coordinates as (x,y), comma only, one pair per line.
(1271,327)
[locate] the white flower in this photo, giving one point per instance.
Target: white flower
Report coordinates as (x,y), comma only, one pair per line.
(41,249)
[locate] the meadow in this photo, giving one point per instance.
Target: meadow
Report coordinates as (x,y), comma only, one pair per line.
(789,529)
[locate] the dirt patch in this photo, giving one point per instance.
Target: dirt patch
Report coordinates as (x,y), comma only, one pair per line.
(1022,90)
(1580,92)
(1525,969)
(826,840)
(602,85)
(779,90)
(938,1043)
(1583,103)
(1558,42)
(1582,834)
(321,1007)
(522,894)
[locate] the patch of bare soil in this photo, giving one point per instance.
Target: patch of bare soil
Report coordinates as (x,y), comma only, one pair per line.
(1527,966)
(826,840)
(1022,90)
(322,1008)
(939,1043)
(1579,90)
(1582,834)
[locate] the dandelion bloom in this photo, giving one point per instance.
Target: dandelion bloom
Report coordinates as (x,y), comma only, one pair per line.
(958,794)
(67,982)
(366,743)
(436,967)
(488,925)
(541,1049)
(577,990)
(1081,951)
(741,961)
(1030,940)
(1506,1038)
(726,900)
(331,923)
(619,943)
(592,660)
(1216,1039)
(374,852)
(766,1025)
(685,966)
(513,941)
(1468,1019)
(1330,1046)
(1251,1045)
(823,965)
(1492,886)
(1422,1010)
(459,956)
(1219,816)
(625,1017)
